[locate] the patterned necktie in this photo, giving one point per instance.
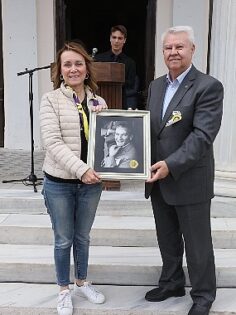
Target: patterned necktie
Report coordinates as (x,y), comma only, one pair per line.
(83,115)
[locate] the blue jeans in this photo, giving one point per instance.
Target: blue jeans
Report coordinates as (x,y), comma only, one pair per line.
(72,209)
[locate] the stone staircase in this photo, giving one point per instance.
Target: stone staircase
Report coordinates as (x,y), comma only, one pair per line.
(124,258)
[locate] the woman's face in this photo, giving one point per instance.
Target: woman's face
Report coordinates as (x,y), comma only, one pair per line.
(73,69)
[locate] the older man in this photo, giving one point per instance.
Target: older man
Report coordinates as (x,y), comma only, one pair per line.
(186,112)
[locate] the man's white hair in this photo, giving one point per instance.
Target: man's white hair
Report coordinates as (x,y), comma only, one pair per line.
(179,29)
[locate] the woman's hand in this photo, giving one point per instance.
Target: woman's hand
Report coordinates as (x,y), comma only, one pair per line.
(90,177)
(98,108)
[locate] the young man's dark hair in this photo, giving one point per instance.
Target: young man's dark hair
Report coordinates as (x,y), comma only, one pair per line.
(120,28)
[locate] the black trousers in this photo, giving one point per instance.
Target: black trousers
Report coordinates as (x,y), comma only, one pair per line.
(188,227)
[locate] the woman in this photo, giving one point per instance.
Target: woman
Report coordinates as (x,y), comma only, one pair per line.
(71,189)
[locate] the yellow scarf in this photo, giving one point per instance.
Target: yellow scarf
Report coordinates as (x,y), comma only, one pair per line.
(82,112)
(84,118)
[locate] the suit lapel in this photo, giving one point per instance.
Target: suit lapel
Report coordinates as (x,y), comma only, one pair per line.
(159,98)
(183,88)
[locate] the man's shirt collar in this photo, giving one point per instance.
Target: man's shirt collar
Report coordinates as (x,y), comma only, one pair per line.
(180,78)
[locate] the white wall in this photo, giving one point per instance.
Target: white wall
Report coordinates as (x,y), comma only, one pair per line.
(46,42)
(164,19)
(196,14)
(46,51)
(21,50)
(183,12)
(223,67)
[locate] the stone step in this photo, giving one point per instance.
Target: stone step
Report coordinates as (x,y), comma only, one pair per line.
(108,265)
(223,207)
(41,299)
(111,203)
(107,230)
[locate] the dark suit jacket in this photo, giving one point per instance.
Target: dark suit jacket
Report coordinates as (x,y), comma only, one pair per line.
(186,145)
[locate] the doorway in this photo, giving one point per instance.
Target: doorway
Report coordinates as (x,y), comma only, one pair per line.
(90,22)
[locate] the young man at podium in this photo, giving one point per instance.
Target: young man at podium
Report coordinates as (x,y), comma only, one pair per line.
(118,37)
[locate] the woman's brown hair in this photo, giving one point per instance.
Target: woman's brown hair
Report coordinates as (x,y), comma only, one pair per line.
(79,49)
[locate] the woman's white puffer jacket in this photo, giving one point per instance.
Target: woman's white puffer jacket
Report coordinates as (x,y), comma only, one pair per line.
(60,130)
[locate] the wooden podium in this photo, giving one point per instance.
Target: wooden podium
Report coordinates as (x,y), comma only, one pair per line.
(110,78)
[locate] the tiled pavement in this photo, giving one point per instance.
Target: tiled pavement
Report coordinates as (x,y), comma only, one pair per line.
(16,164)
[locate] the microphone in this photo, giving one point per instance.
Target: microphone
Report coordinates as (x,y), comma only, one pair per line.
(94,51)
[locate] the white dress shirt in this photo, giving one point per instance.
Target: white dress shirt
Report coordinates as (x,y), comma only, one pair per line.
(172,87)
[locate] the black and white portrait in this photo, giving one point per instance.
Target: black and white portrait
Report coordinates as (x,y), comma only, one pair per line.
(121,145)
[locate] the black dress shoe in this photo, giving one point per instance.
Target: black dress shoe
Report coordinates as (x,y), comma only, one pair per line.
(161,294)
(197,309)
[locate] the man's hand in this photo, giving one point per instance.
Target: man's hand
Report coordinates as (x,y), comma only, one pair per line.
(90,177)
(113,150)
(159,170)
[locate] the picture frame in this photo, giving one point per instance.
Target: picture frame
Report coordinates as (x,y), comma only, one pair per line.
(119,144)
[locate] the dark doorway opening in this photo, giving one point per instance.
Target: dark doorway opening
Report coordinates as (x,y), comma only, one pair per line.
(90,22)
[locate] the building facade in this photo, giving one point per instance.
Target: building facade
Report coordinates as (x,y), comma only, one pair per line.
(29,35)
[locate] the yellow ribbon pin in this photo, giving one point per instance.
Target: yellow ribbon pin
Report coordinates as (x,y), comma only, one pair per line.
(176,116)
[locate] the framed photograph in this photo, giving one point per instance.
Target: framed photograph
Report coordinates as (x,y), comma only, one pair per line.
(119,144)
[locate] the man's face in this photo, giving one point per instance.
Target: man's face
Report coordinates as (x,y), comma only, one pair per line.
(121,136)
(178,52)
(117,40)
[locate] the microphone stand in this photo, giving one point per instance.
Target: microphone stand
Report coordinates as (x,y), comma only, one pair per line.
(31,179)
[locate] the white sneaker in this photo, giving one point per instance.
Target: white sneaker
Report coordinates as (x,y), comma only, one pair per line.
(90,292)
(64,303)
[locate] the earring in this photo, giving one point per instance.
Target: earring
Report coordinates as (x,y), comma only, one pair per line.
(87,76)
(61,77)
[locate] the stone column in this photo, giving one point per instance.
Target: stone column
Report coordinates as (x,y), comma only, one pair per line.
(223,67)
